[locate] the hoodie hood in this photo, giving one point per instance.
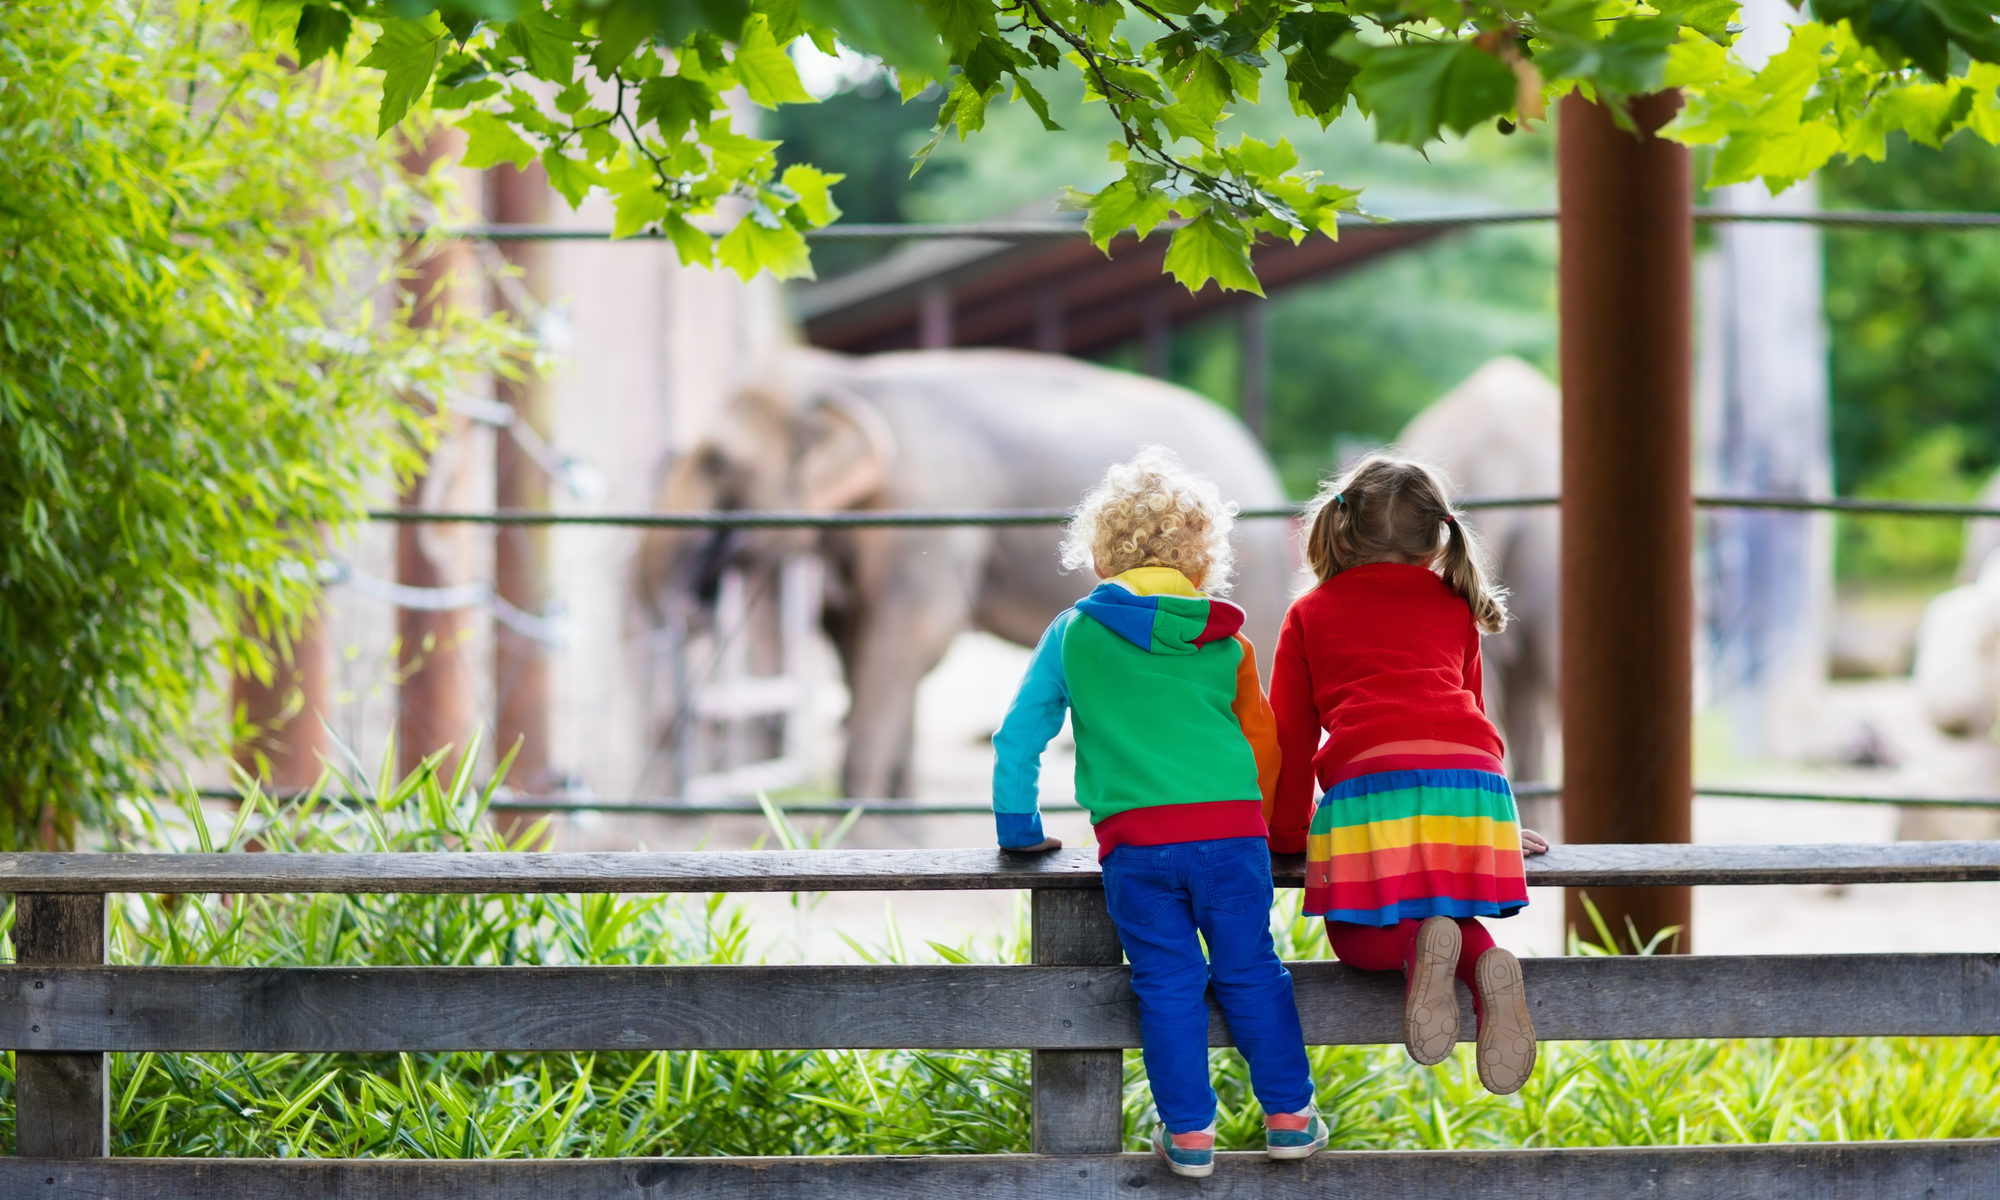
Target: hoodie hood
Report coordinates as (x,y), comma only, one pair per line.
(1159,611)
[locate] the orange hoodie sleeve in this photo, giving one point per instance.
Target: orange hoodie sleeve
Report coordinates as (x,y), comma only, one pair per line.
(1253,713)
(1288,813)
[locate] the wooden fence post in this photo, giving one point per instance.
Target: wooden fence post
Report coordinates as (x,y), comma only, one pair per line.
(62,1104)
(1076,1105)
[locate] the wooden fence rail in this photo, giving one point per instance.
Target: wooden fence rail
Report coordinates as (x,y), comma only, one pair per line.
(926,870)
(62,1009)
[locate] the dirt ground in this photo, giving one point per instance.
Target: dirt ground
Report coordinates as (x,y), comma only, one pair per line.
(963,701)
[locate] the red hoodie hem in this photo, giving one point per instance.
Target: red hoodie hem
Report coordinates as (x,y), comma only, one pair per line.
(1168,824)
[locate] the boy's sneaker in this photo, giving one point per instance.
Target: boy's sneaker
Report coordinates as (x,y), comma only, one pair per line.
(1430,1007)
(1189,1154)
(1294,1135)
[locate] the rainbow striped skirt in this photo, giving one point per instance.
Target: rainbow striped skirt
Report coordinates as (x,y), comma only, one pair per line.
(1405,837)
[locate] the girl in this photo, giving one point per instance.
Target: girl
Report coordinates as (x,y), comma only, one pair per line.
(1416,835)
(1175,759)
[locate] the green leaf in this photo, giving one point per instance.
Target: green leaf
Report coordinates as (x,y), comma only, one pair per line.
(765,70)
(1316,77)
(489,140)
(733,154)
(1026,91)
(695,247)
(620,31)
(571,177)
(814,188)
(547,43)
(751,249)
(1265,161)
(1630,60)
(406,52)
(1202,87)
(453,99)
(1207,248)
(962,22)
(988,60)
(636,204)
(1234,38)
(675,103)
(1710,18)
(895,33)
(321,31)
(786,22)
(1414,91)
(1122,206)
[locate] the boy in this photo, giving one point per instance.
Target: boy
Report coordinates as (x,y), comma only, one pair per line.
(1176,761)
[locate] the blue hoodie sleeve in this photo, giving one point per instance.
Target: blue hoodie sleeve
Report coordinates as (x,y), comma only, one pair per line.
(1035,716)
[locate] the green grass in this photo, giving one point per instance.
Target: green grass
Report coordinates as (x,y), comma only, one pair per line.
(860,1102)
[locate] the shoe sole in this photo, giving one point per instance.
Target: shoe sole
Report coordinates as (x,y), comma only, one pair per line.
(1201,1172)
(1430,1007)
(1286,1153)
(1506,1034)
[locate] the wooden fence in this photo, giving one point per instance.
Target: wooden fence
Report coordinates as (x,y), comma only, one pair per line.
(62,1010)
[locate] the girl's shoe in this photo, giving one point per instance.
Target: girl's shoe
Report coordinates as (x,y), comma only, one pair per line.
(1430,1006)
(1282,1140)
(1506,1033)
(1195,1161)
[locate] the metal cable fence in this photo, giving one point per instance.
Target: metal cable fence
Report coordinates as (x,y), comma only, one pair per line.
(1056,230)
(892,519)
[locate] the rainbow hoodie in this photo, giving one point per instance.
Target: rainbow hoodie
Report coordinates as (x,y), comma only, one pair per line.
(1174,739)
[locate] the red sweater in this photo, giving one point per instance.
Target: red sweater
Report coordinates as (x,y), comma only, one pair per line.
(1379,653)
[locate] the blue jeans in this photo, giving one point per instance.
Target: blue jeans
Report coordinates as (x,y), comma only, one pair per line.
(1165,900)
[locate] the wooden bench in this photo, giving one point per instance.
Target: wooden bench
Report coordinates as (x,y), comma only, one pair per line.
(62,1010)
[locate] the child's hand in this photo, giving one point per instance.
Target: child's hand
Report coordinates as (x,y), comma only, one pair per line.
(1533,843)
(1049,843)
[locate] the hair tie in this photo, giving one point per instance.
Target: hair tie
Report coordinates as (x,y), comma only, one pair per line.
(1450,519)
(1339,500)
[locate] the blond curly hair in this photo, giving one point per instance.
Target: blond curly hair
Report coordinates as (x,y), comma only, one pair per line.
(1151,511)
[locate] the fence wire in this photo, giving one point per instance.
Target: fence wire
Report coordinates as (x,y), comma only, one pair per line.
(1056,230)
(894,519)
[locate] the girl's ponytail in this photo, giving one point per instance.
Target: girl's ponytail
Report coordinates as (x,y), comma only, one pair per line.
(1324,519)
(1463,572)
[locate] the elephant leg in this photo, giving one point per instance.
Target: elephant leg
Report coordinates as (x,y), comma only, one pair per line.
(893,648)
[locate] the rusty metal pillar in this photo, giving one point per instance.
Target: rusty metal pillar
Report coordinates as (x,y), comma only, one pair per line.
(1050,326)
(1254,340)
(285,740)
(434,701)
(1157,326)
(1626,283)
(934,319)
(521,552)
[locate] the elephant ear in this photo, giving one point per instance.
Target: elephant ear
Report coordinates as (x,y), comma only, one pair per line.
(847,452)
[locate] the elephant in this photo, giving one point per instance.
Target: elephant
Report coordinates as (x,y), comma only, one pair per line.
(1957,677)
(943,430)
(1499,433)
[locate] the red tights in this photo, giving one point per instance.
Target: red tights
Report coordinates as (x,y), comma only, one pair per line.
(1390,947)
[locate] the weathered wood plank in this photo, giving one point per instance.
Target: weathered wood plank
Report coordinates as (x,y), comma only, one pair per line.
(1811,1171)
(1076,1096)
(1082,1008)
(62,1101)
(923,870)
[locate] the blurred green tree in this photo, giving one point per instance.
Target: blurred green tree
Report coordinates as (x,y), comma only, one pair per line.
(195,379)
(1913,313)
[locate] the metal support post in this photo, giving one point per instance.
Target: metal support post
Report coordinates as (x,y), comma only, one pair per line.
(1626,301)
